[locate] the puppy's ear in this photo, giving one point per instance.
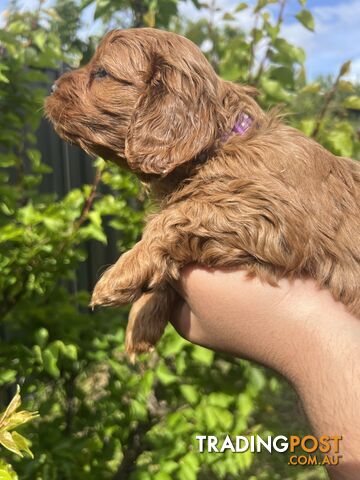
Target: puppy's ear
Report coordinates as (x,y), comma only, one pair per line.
(174,120)
(250,90)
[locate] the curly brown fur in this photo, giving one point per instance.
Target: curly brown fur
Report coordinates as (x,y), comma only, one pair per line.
(271,201)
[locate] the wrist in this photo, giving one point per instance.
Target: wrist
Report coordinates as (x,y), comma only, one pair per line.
(317,333)
(326,344)
(326,377)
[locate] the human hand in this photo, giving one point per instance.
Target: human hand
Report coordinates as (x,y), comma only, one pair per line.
(295,328)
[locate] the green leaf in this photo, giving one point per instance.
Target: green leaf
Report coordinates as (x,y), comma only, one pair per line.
(191,460)
(306,19)
(165,376)
(284,75)
(345,68)
(257,34)
(150,18)
(94,232)
(245,404)
(352,102)
(307,126)
(138,410)
(11,408)
(274,89)
(7,376)
(257,380)
(85,3)
(37,354)
(185,471)
(225,419)
(141,475)
(146,383)
(22,443)
(7,441)
(70,351)
(11,232)
(29,215)
(218,399)
(245,460)
(314,87)
(263,3)
(228,16)
(210,417)
(197,4)
(203,355)
(3,78)
(20,418)
(5,474)
(287,53)
(41,337)
(18,27)
(11,419)
(346,86)
(101,7)
(50,363)
(340,139)
(241,6)
(172,344)
(272,30)
(180,363)
(190,393)
(162,476)
(39,39)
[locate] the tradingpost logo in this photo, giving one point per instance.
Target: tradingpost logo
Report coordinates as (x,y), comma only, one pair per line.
(305,450)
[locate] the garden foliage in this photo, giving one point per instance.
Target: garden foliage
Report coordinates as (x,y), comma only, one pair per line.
(100,416)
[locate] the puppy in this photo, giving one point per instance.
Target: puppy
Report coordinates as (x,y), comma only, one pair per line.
(235,186)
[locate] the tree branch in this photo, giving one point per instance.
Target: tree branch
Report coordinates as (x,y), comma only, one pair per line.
(89,201)
(252,47)
(135,447)
(329,96)
(9,302)
(139,10)
(70,403)
(136,444)
(268,50)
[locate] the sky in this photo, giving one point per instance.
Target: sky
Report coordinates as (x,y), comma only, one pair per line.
(336,38)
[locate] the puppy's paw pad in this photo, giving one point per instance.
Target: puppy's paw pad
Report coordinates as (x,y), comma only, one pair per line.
(114,297)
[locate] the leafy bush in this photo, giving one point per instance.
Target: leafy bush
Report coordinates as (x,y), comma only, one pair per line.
(100,416)
(10,439)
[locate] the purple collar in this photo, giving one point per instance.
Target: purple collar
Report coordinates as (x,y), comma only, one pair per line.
(243,124)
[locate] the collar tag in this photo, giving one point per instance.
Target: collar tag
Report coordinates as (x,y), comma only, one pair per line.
(243,124)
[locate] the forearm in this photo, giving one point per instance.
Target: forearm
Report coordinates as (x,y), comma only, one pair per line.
(328,383)
(296,329)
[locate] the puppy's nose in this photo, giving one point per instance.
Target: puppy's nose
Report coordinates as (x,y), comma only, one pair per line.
(54,87)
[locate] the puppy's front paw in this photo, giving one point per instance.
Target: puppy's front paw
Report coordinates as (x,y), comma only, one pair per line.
(147,320)
(108,292)
(119,285)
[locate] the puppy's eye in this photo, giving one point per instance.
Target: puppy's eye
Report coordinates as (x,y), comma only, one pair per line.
(101,73)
